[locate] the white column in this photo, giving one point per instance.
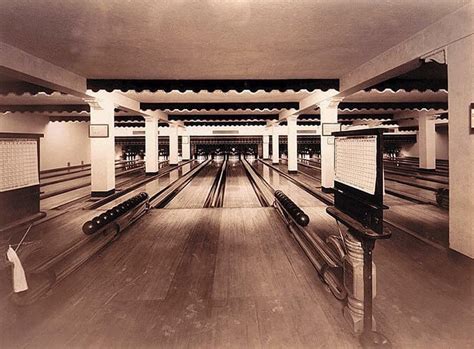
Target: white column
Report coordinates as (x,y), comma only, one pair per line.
(173,159)
(186,147)
(292,144)
(151,145)
(461,145)
(427,142)
(102,147)
(275,145)
(328,110)
(266,146)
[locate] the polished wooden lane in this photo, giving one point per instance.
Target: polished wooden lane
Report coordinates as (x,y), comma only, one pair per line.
(195,193)
(425,221)
(212,278)
(83,173)
(238,190)
(155,185)
(83,193)
(202,278)
(278,182)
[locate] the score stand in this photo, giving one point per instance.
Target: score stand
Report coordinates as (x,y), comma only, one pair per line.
(358,204)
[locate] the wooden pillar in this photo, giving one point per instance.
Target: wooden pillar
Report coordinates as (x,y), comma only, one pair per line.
(266,146)
(292,144)
(275,145)
(186,147)
(102,142)
(173,159)
(461,145)
(328,111)
(427,142)
(151,145)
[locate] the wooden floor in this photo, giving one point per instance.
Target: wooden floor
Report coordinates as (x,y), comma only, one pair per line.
(238,190)
(235,278)
(424,220)
(67,196)
(195,193)
(155,185)
(202,278)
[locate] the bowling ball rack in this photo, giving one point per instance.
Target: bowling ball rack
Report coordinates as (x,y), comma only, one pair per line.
(326,257)
(99,232)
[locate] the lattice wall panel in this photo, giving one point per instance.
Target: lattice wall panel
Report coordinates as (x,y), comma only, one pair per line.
(18,163)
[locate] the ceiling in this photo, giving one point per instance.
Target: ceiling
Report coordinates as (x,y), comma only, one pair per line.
(214,39)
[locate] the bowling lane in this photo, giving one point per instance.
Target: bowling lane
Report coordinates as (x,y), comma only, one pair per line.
(48,189)
(238,189)
(427,221)
(195,193)
(83,191)
(278,182)
(84,173)
(199,281)
(155,185)
(426,194)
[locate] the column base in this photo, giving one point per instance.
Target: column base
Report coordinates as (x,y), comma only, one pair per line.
(102,194)
(172,164)
(151,173)
(292,171)
(327,190)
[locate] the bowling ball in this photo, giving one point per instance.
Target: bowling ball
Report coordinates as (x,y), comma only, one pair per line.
(117,211)
(89,228)
(293,211)
(111,214)
(302,219)
(97,221)
(104,217)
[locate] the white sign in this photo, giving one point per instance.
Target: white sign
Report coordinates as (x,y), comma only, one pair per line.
(356,162)
(98,131)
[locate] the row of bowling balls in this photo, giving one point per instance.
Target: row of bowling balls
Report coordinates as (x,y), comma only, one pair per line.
(100,221)
(297,213)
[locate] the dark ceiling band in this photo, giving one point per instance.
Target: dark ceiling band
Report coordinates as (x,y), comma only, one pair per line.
(404,105)
(45,108)
(410,85)
(217,106)
(212,85)
(223,117)
(428,76)
(20,88)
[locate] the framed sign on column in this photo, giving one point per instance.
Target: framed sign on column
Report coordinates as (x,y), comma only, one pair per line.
(98,131)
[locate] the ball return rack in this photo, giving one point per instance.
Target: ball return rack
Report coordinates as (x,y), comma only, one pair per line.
(99,232)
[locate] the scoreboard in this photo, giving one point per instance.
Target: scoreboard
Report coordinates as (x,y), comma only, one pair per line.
(19,177)
(356,162)
(19,163)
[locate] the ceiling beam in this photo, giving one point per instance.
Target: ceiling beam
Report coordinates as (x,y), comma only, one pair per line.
(415,114)
(397,60)
(21,65)
(128,104)
(406,55)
